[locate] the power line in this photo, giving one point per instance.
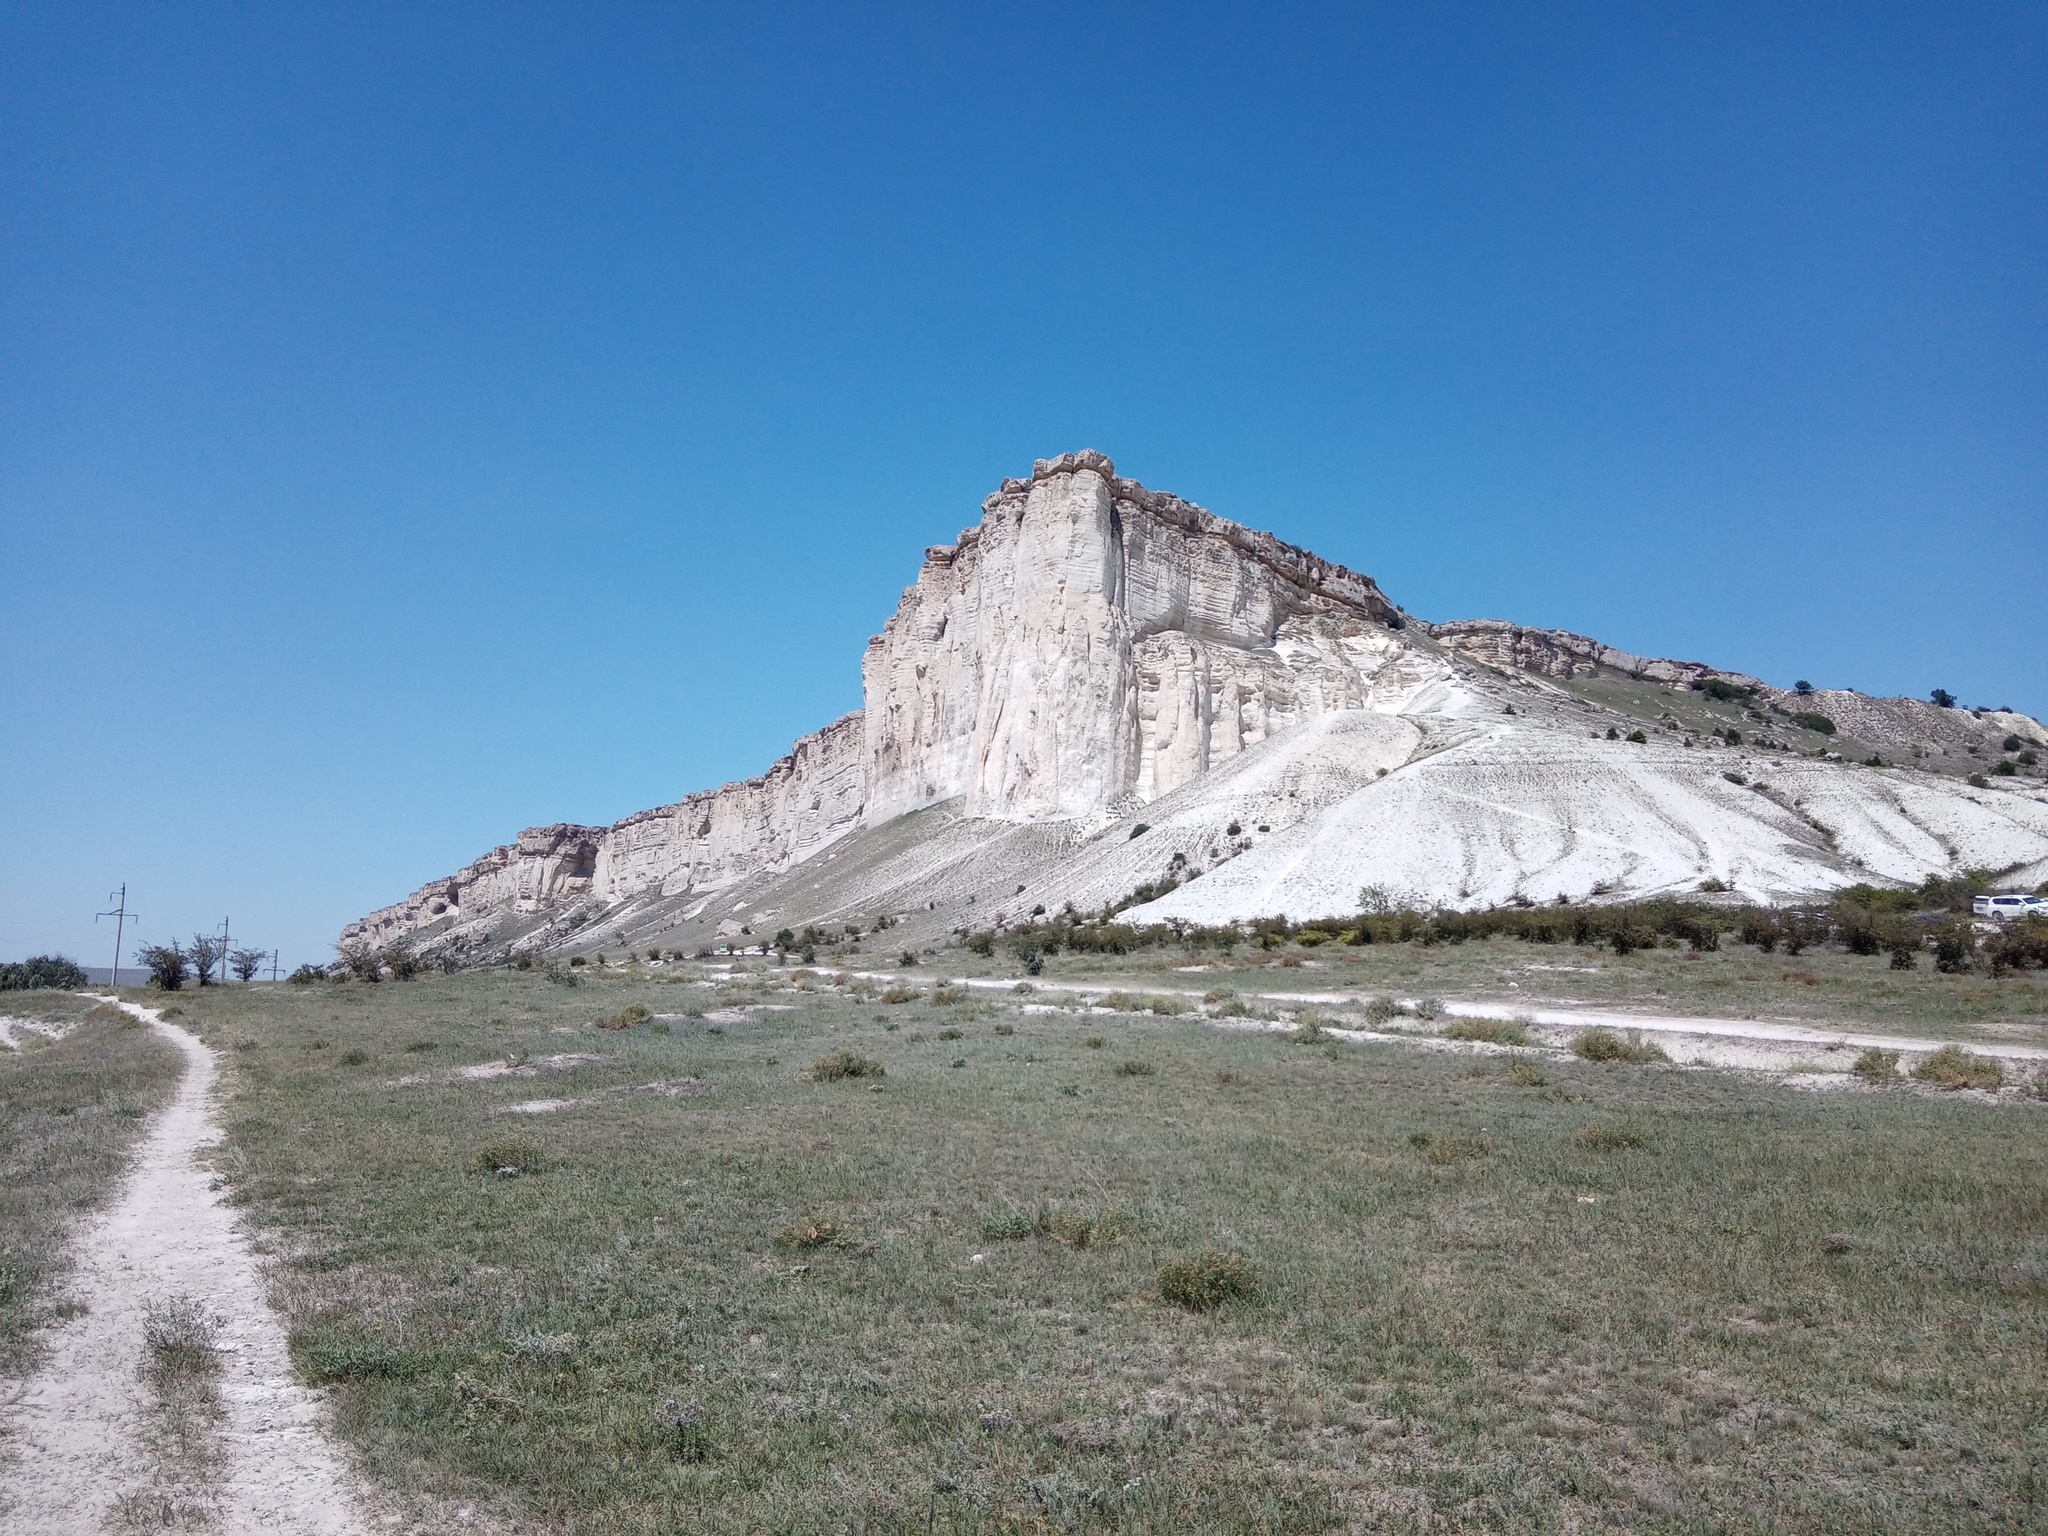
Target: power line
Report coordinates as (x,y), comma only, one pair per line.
(120,915)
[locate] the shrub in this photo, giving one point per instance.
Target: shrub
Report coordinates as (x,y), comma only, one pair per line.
(1955,944)
(511,1155)
(1382,1010)
(1492,1031)
(1430,1008)
(1978,781)
(166,965)
(1006,1029)
(815,1230)
(1734,778)
(1140,829)
(1819,724)
(1596,1137)
(354,1056)
(1207,1280)
(627,1017)
(1010,1227)
(843,1064)
(1134,1069)
(305,975)
(1526,1073)
(1093,1042)
(900,995)
(949,1033)
(1638,736)
(2004,769)
(1952,1067)
(1877,1066)
(1607,1045)
(42,971)
(1310,938)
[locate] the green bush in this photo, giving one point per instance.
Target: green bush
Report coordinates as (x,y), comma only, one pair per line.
(1207,1280)
(1952,1068)
(1134,1069)
(1819,724)
(1608,1045)
(844,1064)
(42,971)
(1877,1066)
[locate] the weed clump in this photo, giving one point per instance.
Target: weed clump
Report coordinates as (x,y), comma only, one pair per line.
(1134,1069)
(900,995)
(816,1230)
(1207,1280)
(508,1159)
(1608,1045)
(1597,1137)
(1068,1227)
(843,1064)
(1877,1066)
(179,1335)
(1952,1067)
(354,1056)
(626,1018)
(1442,1150)
(1492,1031)
(1525,1073)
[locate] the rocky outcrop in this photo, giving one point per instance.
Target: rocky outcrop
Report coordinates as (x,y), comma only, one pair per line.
(1091,648)
(1559,653)
(545,867)
(1092,643)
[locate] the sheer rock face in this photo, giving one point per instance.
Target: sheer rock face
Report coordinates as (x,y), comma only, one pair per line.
(1092,647)
(1093,644)
(1089,646)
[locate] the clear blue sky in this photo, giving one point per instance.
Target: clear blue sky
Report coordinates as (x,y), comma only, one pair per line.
(420,422)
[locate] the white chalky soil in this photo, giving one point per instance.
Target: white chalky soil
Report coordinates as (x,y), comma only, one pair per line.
(75,1437)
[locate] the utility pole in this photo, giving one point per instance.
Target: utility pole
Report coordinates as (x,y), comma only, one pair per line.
(224,951)
(120,915)
(273,967)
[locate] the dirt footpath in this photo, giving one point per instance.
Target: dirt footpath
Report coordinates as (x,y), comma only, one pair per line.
(83,1444)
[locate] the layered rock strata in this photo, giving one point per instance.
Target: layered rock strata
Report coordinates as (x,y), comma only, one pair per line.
(1092,647)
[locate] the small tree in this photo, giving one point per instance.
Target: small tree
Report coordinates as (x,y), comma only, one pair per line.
(1943,699)
(205,952)
(247,962)
(166,965)
(1802,687)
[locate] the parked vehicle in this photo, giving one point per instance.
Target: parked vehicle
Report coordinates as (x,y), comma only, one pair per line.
(2009,906)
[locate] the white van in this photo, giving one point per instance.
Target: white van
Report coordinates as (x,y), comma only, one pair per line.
(2009,906)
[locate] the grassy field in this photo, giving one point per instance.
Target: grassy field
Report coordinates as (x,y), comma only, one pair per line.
(1821,986)
(70,1112)
(706,1292)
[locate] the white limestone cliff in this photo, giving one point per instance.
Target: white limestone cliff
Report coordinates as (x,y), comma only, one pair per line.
(1092,647)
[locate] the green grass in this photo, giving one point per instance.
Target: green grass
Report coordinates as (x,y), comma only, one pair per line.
(1733,1307)
(1823,987)
(70,1113)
